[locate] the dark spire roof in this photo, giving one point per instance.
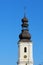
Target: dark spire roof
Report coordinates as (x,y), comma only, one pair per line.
(25,35)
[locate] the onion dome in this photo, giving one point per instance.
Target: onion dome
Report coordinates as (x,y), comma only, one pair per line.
(25,22)
(25,35)
(24,19)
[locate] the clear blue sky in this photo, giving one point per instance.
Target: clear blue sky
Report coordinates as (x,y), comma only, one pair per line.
(11,13)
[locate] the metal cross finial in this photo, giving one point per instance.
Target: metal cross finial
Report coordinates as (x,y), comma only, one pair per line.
(25,11)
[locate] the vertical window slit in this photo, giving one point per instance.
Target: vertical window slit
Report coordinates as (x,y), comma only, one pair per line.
(25,49)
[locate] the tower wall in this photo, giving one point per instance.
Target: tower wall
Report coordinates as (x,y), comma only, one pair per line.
(25,58)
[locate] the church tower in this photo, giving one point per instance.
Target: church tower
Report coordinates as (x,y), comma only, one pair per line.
(25,52)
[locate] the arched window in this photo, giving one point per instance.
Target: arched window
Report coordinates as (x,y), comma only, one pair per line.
(25,49)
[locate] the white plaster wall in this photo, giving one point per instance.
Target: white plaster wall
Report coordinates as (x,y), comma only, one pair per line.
(29,53)
(25,64)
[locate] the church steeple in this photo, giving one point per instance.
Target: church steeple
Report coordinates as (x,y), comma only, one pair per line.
(25,52)
(25,35)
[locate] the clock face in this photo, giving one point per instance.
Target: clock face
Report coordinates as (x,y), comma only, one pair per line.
(25,56)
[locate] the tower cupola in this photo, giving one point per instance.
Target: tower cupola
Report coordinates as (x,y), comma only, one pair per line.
(25,35)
